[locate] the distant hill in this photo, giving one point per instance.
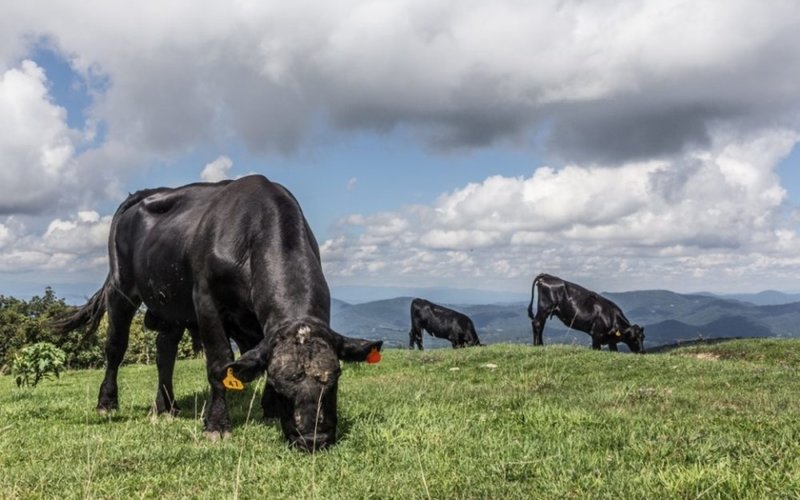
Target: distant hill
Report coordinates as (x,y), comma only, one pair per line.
(668,317)
(443,295)
(765,298)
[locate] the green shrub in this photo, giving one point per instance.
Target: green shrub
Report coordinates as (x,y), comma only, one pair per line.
(37,361)
(27,322)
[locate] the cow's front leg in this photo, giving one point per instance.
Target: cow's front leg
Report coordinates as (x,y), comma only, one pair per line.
(218,355)
(217,423)
(269,402)
(612,346)
(597,337)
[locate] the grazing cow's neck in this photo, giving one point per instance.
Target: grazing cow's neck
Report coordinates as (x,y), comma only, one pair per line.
(288,285)
(621,321)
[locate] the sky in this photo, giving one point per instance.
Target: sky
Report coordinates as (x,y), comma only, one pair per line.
(620,144)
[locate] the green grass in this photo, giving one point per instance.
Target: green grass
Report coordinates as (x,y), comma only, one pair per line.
(552,422)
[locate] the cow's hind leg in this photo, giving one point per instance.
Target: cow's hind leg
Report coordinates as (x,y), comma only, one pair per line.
(537,324)
(166,351)
(121,310)
(415,337)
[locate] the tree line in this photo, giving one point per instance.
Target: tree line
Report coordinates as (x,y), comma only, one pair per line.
(23,323)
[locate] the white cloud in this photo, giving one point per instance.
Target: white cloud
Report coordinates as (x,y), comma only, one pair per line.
(458,74)
(670,118)
(461,73)
(78,243)
(351,184)
(36,145)
(86,233)
(5,236)
(217,170)
(715,212)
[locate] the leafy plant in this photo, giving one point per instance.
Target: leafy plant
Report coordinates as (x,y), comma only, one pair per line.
(27,322)
(37,361)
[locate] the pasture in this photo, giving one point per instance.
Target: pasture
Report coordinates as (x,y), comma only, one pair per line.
(503,421)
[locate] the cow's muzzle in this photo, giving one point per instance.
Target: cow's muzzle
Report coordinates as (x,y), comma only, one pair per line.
(312,442)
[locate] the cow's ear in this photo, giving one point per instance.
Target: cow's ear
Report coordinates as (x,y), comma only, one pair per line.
(350,349)
(250,365)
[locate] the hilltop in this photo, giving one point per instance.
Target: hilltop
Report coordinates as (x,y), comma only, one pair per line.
(504,421)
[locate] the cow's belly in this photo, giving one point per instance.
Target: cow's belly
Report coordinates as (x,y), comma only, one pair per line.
(168,261)
(169,299)
(164,279)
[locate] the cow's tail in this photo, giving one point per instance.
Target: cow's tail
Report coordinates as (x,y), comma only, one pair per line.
(533,291)
(89,315)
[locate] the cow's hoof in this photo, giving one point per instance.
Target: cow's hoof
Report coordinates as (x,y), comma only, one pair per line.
(104,411)
(214,436)
(272,422)
(166,416)
(155,411)
(169,412)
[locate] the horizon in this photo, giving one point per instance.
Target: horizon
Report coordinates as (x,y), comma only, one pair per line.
(429,144)
(356,295)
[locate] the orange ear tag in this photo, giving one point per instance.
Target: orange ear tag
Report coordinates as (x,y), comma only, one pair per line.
(374,356)
(231,382)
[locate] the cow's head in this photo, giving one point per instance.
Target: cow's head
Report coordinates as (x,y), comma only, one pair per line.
(468,340)
(633,336)
(302,365)
(473,340)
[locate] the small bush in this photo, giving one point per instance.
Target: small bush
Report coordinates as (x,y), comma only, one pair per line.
(37,361)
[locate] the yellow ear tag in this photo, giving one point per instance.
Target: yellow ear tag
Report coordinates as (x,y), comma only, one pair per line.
(231,382)
(619,334)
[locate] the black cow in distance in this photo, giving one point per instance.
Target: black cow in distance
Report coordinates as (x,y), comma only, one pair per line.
(440,322)
(582,310)
(227,260)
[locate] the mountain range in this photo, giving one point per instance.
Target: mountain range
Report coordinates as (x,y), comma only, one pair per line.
(667,317)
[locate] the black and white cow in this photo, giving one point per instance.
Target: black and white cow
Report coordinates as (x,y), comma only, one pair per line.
(582,310)
(227,260)
(440,322)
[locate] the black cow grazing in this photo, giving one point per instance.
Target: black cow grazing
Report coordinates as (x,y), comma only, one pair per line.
(582,310)
(227,260)
(440,322)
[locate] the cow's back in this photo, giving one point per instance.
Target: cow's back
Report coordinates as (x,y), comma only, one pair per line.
(435,318)
(172,238)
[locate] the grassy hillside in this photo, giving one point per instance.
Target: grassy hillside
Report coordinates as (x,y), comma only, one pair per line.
(504,421)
